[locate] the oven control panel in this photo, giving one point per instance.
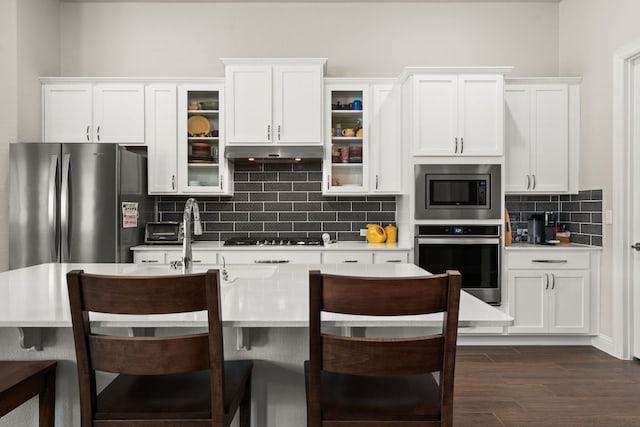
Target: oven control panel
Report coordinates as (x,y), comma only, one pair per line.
(458,230)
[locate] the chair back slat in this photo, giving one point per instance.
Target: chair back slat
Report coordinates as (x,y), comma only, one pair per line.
(130,294)
(149,355)
(376,356)
(384,296)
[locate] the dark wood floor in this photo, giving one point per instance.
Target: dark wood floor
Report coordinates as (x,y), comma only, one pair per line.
(545,386)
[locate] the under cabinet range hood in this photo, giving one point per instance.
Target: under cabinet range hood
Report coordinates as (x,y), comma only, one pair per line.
(267,153)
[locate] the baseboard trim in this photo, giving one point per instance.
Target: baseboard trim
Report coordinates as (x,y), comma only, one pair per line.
(606,344)
(526,340)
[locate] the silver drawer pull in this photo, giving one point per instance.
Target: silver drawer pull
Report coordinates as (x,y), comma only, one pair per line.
(149,260)
(394,260)
(196,260)
(551,261)
(350,260)
(271,261)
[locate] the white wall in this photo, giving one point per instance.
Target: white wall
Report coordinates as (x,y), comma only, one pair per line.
(29,48)
(8,113)
(169,39)
(590,31)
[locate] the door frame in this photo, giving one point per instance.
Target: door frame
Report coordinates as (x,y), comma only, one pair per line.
(622,261)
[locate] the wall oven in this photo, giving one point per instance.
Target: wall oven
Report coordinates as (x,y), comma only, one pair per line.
(474,250)
(457,192)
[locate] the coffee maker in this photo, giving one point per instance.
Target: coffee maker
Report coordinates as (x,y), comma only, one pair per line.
(542,228)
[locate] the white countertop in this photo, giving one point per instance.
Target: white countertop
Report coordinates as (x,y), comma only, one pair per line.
(338,246)
(567,246)
(256,296)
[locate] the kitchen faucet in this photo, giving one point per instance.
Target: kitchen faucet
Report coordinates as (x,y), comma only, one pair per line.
(190,207)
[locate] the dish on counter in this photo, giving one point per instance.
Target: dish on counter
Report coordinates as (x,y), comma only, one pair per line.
(198,126)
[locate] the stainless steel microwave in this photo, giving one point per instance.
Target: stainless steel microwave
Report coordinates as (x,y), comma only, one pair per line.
(457,192)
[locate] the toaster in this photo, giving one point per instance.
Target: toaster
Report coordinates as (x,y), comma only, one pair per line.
(164,233)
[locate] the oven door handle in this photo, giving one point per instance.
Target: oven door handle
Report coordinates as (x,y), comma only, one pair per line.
(458,240)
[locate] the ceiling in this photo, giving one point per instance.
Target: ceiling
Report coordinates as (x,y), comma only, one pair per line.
(310,1)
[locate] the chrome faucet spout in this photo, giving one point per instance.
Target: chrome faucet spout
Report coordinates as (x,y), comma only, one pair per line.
(190,208)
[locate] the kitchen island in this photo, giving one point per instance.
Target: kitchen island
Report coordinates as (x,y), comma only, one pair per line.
(264,314)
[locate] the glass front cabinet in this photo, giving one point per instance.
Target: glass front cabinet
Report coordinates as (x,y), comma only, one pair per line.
(347,135)
(202,166)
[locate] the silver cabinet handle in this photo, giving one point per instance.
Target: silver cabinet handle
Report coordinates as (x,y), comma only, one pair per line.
(533,187)
(550,261)
(278,132)
(394,260)
(196,260)
(553,281)
(88,138)
(350,261)
(221,181)
(528,182)
(636,246)
(461,145)
(149,260)
(456,145)
(377,180)
(328,181)
(546,275)
(98,133)
(268,132)
(271,261)
(173,182)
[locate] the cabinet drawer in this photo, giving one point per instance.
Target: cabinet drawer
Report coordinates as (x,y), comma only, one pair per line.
(546,260)
(269,257)
(199,257)
(390,257)
(347,258)
(151,257)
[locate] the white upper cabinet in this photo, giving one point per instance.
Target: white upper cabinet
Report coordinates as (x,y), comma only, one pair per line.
(161,136)
(542,135)
(385,141)
(455,114)
(88,112)
(274,101)
(67,112)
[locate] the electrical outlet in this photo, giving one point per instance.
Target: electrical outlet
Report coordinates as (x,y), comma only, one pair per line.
(363,232)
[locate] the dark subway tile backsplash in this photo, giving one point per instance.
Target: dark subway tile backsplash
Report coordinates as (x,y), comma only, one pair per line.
(282,200)
(582,213)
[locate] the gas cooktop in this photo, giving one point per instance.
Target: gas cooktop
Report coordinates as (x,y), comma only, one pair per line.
(273,241)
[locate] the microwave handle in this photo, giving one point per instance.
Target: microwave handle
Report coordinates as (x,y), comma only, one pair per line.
(457,240)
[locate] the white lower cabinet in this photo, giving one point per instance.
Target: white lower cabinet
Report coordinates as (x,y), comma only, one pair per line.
(349,257)
(270,257)
(397,257)
(166,257)
(549,298)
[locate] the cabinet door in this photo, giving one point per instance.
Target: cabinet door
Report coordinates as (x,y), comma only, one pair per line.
(550,138)
(67,113)
(118,113)
(435,120)
(480,115)
(569,302)
(202,168)
(390,257)
(528,293)
(249,104)
(161,137)
(148,257)
(297,104)
(385,141)
(352,257)
(518,138)
(270,257)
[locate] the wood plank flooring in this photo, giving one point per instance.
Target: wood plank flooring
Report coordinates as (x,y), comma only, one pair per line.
(545,386)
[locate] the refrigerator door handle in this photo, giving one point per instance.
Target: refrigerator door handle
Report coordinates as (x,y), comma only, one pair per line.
(65,202)
(53,211)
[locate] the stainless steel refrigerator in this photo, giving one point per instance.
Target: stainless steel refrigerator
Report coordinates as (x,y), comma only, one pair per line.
(76,203)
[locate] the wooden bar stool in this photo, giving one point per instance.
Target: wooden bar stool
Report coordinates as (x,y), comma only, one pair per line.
(21,380)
